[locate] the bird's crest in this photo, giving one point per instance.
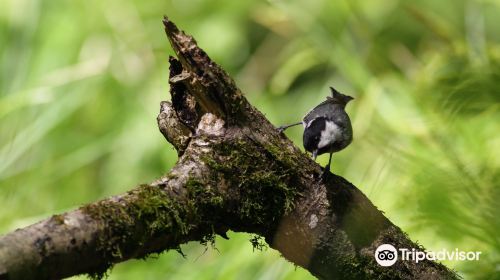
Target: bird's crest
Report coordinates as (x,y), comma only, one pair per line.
(338,97)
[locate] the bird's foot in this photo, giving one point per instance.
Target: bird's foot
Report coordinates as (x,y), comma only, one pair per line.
(281,129)
(325,172)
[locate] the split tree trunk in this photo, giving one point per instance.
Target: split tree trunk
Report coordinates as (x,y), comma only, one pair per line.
(235,172)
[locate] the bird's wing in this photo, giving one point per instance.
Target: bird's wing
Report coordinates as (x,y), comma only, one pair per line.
(312,133)
(318,111)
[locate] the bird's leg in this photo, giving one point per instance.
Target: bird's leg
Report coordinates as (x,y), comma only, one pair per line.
(314,154)
(327,167)
(283,127)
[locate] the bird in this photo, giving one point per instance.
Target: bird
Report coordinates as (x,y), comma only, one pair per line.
(327,127)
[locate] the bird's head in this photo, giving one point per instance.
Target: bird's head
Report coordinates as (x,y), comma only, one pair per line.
(338,97)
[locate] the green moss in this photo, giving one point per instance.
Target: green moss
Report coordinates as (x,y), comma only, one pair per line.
(208,239)
(57,219)
(263,182)
(204,197)
(258,178)
(258,243)
(156,212)
(171,176)
(291,160)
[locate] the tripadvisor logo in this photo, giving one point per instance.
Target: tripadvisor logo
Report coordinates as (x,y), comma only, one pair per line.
(387,255)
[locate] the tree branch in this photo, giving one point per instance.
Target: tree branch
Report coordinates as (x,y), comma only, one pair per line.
(235,172)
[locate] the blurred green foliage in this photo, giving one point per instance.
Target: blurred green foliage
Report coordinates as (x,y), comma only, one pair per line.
(81,82)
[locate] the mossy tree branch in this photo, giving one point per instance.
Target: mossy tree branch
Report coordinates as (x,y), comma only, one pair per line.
(235,172)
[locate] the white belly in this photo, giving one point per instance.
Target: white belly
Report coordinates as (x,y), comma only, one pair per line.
(331,133)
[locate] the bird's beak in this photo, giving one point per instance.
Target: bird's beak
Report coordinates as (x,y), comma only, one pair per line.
(349,98)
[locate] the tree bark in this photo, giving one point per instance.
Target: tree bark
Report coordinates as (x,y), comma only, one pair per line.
(234,172)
